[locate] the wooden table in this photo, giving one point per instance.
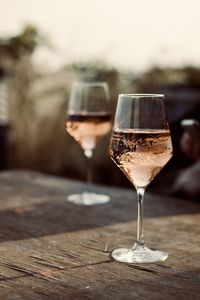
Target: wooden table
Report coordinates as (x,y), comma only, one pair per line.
(52,249)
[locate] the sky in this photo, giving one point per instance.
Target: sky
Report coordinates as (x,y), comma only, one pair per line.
(127,34)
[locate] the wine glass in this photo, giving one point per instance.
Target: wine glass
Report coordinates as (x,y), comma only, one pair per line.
(88,119)
(140,146)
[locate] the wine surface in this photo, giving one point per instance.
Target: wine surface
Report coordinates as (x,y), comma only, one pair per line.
(87,128)
(140,154)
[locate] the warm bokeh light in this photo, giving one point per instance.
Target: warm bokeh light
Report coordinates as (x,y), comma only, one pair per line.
(129,33)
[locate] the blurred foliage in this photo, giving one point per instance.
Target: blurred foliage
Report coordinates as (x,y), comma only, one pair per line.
(22,44)
(156,77)
(16,61)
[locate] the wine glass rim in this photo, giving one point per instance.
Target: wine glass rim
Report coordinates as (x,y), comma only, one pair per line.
(142,95)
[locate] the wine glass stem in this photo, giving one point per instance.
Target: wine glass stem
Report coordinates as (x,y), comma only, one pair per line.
(89,172)
(140,238)
(88,155)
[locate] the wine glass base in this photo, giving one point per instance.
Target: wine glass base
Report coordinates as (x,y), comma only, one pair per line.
(139,254)
(88,198)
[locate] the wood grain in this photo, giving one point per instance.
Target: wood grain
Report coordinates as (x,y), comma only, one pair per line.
(52,249)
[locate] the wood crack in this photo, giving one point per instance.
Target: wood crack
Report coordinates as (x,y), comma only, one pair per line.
(43,262)
(14,277)
(143,269)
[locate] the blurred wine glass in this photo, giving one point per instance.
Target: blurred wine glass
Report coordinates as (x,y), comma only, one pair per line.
(88,119)
(140,146)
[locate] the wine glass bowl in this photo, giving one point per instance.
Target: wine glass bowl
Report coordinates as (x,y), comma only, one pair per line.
(140,146)
(87,128)
(88,120)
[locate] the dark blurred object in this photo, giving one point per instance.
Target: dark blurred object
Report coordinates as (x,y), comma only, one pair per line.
(186,185)
(4,122)
(190,141)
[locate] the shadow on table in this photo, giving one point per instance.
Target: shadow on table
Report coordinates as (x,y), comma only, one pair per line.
(34,205)
(54,215)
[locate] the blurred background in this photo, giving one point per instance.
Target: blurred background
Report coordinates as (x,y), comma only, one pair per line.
(135,46)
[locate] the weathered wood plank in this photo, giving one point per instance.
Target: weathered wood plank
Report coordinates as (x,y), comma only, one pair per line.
(51,249)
